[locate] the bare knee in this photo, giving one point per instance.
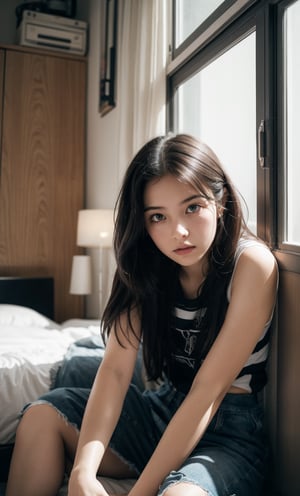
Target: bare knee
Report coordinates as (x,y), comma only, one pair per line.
(41,442)
(42,420)
(185,489)
(39,417)
(33,420)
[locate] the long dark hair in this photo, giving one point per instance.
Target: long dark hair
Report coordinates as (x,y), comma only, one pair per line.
(145,278)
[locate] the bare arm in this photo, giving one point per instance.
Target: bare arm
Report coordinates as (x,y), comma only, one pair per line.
(104,407)
(252,301)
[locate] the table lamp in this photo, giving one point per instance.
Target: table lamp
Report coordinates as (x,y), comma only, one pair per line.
(95,230)
(81,280)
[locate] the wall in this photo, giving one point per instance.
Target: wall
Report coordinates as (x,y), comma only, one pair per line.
(102,174)
(101,160)
(8,21)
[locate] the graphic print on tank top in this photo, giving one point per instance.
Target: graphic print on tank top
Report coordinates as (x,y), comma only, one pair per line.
(186,332)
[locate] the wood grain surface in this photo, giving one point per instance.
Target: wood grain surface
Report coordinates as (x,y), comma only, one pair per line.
(42,169)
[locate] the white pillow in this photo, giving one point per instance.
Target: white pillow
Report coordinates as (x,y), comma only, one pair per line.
(16,316)
(80,323)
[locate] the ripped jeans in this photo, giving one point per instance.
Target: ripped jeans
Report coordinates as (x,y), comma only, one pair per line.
(229,460)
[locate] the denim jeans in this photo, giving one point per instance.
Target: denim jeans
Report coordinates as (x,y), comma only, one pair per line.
(229,460)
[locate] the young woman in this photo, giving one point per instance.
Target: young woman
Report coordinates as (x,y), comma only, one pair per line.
(198,291)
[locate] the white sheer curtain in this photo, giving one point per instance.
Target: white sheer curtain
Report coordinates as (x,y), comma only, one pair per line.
(141,88)
(142,58)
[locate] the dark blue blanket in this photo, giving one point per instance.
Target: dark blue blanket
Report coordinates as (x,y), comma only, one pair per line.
(81,363)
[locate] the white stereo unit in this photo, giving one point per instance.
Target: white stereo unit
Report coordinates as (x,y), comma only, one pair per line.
(49,31)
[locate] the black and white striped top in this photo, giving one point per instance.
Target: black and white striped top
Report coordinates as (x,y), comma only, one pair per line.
(188,315)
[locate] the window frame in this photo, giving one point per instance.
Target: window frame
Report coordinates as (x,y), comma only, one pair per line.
(256,18)
(213,25)
(288,252)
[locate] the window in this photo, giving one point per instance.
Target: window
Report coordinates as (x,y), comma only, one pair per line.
(189,14)
(234,83)
(291,132)
(213,96)
(217,104)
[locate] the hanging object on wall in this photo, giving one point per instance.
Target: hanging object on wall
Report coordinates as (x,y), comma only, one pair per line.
(108,55)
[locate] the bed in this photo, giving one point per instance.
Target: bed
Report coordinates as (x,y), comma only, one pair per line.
(35,356)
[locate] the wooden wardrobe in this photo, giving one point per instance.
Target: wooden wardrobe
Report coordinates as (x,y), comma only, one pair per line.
(42,166)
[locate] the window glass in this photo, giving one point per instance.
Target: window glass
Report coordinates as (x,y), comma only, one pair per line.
(190,14)
(292,126)
(218,104)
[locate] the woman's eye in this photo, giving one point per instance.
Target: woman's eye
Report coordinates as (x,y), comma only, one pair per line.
(157,218)
(193,208)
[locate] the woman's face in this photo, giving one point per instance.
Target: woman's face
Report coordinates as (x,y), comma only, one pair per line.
(180,221)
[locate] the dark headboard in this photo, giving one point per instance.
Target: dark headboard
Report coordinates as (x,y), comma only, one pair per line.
(32,292)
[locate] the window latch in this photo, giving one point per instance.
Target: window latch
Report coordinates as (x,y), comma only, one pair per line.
(261,144)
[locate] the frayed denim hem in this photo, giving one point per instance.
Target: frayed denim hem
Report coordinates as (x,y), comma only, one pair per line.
(177,478)
(129,464)
(44,402)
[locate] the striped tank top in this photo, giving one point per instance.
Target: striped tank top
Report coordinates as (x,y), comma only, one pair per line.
(188,314)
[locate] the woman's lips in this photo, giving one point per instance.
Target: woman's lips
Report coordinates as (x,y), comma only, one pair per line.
(185,250)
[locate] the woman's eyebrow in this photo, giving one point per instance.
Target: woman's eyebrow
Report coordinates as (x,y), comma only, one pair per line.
(186,200)
(153,208)
(191,198)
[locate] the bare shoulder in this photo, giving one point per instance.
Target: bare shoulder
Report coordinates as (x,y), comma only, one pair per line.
(258,257)
(256,266)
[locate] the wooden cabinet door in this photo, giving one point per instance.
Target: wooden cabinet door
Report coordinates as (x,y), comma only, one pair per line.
(42,173)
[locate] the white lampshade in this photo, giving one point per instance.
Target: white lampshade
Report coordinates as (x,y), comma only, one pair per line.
(81,280)
(95,228)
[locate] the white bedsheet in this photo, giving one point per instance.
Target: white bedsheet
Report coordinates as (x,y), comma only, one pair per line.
(29,355)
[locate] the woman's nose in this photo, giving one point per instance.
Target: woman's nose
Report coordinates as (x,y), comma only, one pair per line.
(180,231)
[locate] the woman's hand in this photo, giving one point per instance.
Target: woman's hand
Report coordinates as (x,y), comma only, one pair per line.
(85,484)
